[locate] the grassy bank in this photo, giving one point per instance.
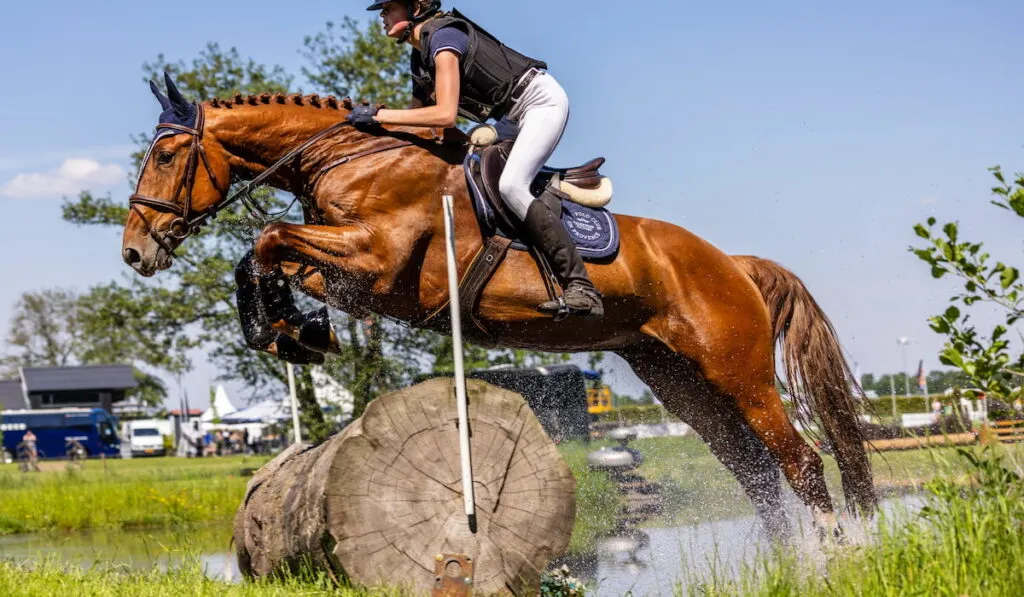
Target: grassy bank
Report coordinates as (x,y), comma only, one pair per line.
(160,492)
(698,488)
(170,492)
(967,541)
(50,579)
(597,496)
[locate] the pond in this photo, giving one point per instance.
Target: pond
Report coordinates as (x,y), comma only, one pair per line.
(130,549)
(645,561)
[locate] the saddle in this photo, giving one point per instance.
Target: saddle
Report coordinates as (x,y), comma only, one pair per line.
(578,194)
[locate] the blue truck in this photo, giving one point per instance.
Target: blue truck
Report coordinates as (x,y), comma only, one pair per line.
(56,430)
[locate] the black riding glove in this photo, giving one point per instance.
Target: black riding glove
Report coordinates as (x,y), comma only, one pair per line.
(362,116)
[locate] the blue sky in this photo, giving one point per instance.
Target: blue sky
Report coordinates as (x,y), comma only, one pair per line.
(811,134)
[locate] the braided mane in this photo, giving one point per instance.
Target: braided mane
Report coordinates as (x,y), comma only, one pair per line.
(330,102)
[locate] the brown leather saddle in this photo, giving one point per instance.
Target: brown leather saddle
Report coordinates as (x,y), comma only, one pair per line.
(547,186)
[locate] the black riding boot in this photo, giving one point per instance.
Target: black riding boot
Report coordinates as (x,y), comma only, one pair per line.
(543,230)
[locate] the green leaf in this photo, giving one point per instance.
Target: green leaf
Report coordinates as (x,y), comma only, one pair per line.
(1009,276)
(952,314)
(922,231)
(951,231)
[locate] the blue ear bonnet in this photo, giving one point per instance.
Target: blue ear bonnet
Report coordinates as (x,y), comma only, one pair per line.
(177,110)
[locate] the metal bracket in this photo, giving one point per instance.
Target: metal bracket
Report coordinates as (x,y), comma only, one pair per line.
(563,309)
(453,575)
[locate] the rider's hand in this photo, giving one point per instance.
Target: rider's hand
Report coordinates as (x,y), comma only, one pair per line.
(362,116)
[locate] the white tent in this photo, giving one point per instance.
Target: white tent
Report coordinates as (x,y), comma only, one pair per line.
(267,411)
(221,406)
(330,392)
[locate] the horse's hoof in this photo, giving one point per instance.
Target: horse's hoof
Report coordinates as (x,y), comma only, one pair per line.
(316,332)
(288,349)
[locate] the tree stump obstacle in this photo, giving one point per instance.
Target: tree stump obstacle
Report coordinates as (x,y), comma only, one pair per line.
(380,501)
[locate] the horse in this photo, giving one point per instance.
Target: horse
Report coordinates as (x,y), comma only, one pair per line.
(698,326)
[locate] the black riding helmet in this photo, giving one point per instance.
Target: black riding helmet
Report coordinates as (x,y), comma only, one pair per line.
(432,8)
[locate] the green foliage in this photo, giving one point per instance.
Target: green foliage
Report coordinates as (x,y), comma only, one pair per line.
(637,414)
(43,330)
(967,540)
(986,360)
(938,382)
(59,328)
(122,494)
(53,578)
(359,61)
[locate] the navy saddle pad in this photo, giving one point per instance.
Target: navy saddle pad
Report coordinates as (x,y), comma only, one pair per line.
(595,231)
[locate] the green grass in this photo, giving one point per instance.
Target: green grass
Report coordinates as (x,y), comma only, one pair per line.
(698,488)
(968,540)
(119,494)
(49,579)
(155,493)
(597,496)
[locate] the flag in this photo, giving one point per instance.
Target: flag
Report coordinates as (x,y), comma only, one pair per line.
(922,379)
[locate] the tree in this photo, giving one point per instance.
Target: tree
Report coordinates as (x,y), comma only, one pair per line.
(58,328)
(43,330)
(986,359)
(363,63)
(867,381)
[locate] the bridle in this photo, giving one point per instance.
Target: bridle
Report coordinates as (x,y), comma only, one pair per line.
(190,221)
(187,221)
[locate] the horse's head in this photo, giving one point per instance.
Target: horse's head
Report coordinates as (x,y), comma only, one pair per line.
(183,177)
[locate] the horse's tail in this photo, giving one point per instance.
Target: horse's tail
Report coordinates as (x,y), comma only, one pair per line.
(816,372)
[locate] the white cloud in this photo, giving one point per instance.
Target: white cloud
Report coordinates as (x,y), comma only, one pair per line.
(71,177)
(928,201)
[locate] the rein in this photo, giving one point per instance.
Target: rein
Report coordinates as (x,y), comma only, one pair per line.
(188,221)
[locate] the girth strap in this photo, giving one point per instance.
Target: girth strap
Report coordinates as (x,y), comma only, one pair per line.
(479,273)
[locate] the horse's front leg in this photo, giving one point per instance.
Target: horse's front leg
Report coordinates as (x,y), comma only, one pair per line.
(296,338)
(288,255)
(345,253)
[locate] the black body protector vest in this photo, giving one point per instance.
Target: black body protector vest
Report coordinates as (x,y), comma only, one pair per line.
(489,69)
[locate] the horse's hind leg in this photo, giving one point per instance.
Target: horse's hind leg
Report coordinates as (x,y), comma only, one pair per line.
(752,389)
(687,396)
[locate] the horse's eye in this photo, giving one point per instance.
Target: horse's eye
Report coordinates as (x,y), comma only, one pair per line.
(164,157)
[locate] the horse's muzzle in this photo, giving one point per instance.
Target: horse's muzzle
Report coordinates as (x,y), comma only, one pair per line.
(145,267)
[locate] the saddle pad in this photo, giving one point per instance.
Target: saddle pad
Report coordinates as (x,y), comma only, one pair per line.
(594,231)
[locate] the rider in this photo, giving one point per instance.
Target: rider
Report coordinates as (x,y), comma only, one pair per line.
(460,69)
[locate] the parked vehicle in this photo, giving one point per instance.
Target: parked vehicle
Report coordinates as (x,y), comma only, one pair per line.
(145,441)
(90,429)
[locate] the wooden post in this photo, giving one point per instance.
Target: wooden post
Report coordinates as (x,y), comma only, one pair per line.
(460,373)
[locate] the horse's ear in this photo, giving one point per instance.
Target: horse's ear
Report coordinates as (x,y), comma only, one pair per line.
(164,102)
(178,101)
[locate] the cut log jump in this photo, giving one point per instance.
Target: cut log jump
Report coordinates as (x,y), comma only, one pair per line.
(378,502)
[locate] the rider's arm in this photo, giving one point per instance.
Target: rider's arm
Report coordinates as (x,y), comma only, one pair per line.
(446,110)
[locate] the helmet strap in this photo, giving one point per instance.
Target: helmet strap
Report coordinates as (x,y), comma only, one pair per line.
(407,33)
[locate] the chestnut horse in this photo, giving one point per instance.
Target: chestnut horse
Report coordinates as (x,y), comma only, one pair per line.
(696,325)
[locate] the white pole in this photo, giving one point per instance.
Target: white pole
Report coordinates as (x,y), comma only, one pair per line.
(295,402)
(460,374)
